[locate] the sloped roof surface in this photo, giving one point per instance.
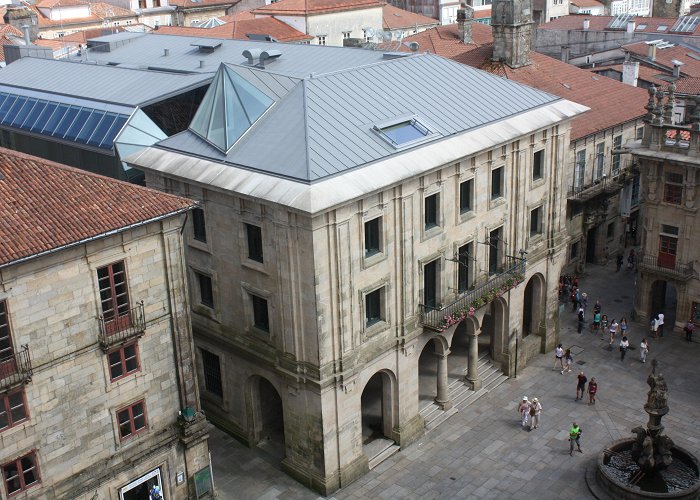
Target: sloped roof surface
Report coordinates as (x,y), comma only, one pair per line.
(666,56)
(324,125)
(240,29)
(307,7)
(600,23)
(395,18)
(587,3)
(611,102)
(45,205)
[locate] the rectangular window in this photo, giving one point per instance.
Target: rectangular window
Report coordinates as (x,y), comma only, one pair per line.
(432,211)
(635,191)
(142,4)
(536,221)
(574,251)
(466,195)
(640,133)
(212,373)
(206,292)
(464,274)
(13,409)
(617,144)
(497,183)
(200,229)
(373,307)
(430,284)
(599,160)
(123,361)
(495,250)
(373,236)
(538,165)
(671,230)
(20,474)
(114,296)
(346,35)
(579,170)
(7,352)
(131,420)
(365,35)
(611,231)
(261,319)
(322,40)
(255,246)
(673,188)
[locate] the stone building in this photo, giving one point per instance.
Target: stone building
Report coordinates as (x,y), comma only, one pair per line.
(96,352)
(364,236)
(668,157)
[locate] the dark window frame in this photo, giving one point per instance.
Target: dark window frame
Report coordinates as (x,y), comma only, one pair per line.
(199,225)
(431,206)
(7,409)
(255,242)
(466,196)
(464,267)
(123,361)
(213,382)
(7,350)
(21,473)
(114,301)
(536,221)
(497,183)
(373,236)
(431,287)
(261,312)
(129,410)
(538,165)
(373,307)
(205,283)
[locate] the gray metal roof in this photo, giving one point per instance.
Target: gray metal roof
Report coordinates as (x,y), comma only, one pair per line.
(148,50)
(323,126)
(131,87)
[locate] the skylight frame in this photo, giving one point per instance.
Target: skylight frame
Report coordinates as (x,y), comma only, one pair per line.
(686,24)
(620,21)
(426,131)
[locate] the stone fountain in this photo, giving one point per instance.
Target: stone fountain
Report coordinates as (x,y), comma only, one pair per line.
(649,465)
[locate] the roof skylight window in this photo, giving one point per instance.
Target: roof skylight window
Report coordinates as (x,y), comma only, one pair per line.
(662,27)
(404,132)
(641,27)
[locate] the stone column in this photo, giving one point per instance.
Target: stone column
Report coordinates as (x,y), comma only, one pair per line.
(472,372)
(443,398)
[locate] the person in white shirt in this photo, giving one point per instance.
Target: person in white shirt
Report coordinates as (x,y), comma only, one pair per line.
(660,324)
(558,357)
(643,350)
(624,345)
(535,412)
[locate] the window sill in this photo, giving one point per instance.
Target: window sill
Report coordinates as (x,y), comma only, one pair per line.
(375,328)
(255,266)
(538,182)
(207,312)
(466,215)
(429,232)
(373,259)
(199,245)
(496,202)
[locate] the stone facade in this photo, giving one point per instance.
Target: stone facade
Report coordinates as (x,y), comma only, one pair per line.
(345,322)
(513,32)
(53,305)
(669,161)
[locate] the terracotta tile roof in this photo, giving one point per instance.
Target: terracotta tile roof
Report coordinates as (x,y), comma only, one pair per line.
(238,30)
(600,23)
(198,4)
(612,103)
(9,36)
(309,7)
(50,4)
(650,75)
(45,205)
(586,3)
(8,29)
(246,15)
(395,18)
(3,11)
(98,12)
(688,85)
(665,56)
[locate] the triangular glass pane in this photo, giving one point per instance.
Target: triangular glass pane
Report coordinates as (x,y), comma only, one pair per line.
(217,125)
(200,122)
(254,102)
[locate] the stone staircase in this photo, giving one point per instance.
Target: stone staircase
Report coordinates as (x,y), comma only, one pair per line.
(461,394)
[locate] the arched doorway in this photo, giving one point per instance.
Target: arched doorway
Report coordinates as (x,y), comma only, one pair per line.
(268,418)
(459,353)
(497,328)
(663,298)
(533,305)
(377,402)
(428,372)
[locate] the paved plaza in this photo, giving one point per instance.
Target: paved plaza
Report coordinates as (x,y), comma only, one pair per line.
(482,452)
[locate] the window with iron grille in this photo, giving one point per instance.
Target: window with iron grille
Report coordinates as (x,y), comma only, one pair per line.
(212,373)
(639,133)
(13,409)
(7,351)
(322,40)
(21,474)
(199,225)
(261,319)
(673,188)
(131,420)
(206,292)
(579,169)
(599,160)
(255,245)
(114,295)
(123,361)
(464,267)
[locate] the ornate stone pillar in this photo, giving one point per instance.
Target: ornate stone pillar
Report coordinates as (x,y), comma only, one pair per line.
(443,397)
(472,372)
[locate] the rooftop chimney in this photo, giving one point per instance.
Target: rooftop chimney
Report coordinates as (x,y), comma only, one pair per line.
(166,52)
(676,68)
(651,52)
(565,53)
(631,26)
(27,38)
(630,72)
(465,16)
(586,24)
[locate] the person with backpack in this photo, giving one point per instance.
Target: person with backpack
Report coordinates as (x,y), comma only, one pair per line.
(574,437)
(581,385)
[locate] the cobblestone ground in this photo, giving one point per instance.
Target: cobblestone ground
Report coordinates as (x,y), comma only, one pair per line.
(482,452)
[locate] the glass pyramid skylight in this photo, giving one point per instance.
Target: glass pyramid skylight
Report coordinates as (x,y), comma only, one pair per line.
(229,109)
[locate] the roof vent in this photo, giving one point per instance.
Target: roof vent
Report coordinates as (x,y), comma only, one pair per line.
(394,55)
(253,56)
(206,47)
(166,52)
(260,37)
(413,46)
(257,57)
(268,55)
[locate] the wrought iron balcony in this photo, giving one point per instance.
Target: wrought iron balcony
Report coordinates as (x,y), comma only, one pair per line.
(16,369)
(665,266)
(115,331)
(439,318)
(603,186)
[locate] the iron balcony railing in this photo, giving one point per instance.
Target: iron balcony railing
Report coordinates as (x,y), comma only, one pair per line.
(666,266)
(604,185)
(16,369)
(114,331)
(435,317)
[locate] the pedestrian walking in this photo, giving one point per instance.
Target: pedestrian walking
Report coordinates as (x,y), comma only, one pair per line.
(613,330)
(584,301)
(623,326)
(581,385)
(624,345)
(524,410)
(574,299)
(660,324)
(558,357)
(535,412)
(689,328)
(574,438)
(654,327)
(568,361)
(596,322)
(618,262)
(630,260)
(597,307)
(643,350)
(581,320)
(592,390)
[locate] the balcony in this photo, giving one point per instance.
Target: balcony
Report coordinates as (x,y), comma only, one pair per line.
(129,325)
(665,266)
(441,318)
(17,369)
(604,186)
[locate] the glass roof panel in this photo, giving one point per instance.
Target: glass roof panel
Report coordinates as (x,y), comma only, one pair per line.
(22,113)
(90,126)
(113,131)
(12,112)
(78,124)
(55,119)
(33,115)
(98,136)
(44,117)
(7,103)
(67,121)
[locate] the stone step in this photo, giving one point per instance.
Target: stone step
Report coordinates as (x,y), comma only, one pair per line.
(467,398)
(390,450)
(439,417)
